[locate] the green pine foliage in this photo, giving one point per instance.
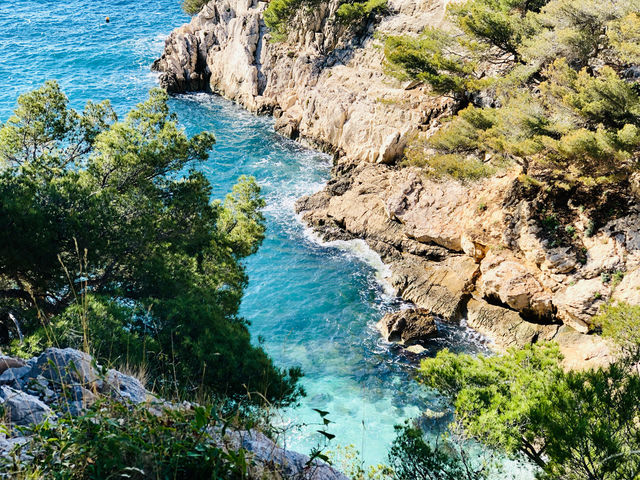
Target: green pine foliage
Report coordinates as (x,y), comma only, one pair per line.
(557,73)
(193,7)
(279,13)
(352,12)
(109,236)
(412,457)
(572,425)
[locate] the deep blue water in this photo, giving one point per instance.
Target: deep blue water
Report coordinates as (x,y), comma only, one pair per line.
(313,304)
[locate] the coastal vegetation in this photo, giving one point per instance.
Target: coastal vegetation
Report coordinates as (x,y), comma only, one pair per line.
(546,84)
(110,242)
(280,13)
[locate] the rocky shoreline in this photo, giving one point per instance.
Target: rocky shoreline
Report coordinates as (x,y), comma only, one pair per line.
(474,251)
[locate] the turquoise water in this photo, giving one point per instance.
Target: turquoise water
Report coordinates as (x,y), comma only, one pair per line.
(313,304)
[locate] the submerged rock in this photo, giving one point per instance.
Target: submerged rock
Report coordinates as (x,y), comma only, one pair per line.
(408,327)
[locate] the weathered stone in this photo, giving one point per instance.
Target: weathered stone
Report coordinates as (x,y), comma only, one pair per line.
(582,351)
(628,290)
(10,362)
(329,93)
(506,327)
(22,408)
(577,303)
(14,374)
(125,386)
(408,327)
(511,282)
(65,366)
(273,458)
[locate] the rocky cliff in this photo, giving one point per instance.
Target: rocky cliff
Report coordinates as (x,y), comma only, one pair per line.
(474,251)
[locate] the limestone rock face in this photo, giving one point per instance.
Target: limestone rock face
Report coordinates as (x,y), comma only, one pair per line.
(408,327)
(324,83)
(577,303)
(510,281)
(445,242)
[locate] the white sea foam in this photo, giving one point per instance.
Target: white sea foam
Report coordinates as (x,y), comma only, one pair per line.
(362,251)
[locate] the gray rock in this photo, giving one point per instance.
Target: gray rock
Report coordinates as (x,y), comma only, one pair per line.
(125,386)
(22,408)
(14,374)
(289,464)
(65,366)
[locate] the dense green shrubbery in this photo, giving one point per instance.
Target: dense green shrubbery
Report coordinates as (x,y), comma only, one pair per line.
(192,7)
(556,75)
(572,425)
(279,13)
(352,12)
(412,457)
(112,440)
(108,237)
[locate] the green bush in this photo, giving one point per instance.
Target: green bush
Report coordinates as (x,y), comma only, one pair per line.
(412,457)
(192,7)
(572,425)
(278,14)
(358,12)
(116,441)
(555,71)
(108,236)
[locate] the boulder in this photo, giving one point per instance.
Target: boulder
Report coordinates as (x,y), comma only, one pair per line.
(66,366)
(510,281)
(286,463)
(21,408)
(408,327)
(506,327)
(11,375)
(10,362)
(579,302)
(125,386)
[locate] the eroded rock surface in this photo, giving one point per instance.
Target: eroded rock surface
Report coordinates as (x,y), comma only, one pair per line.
(325,85)
(454,249)
(408,327)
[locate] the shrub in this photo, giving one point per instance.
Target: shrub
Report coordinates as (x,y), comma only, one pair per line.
(358,12)
(116,441)
(412,457)
(108,230)
(192,7)
(555,72)
(572,425)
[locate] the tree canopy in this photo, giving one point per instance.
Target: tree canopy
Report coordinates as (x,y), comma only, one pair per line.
(106,222)
(572,425)
(549,82)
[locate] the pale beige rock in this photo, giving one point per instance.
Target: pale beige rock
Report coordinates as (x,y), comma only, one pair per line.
(509,280)
(582,351)
(577,303)
(628,290)
(506,327)
(333,95)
